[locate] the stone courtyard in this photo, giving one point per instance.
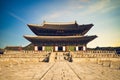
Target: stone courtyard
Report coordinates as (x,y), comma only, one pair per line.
(58,69)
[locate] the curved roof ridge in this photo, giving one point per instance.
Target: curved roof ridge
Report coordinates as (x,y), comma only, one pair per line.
(58,23)
(32,36)
(35,24)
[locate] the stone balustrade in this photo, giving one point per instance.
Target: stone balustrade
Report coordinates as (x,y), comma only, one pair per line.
(95,54)
(95,51)
(23,51)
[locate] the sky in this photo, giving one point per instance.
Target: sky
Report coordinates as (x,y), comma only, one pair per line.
(16,14)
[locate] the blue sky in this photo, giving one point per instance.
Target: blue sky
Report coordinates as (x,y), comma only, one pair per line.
(15,14)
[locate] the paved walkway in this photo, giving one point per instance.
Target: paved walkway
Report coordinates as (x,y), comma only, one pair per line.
(59,71)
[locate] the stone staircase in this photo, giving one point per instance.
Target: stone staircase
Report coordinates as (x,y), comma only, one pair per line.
(56,56)
(52,57)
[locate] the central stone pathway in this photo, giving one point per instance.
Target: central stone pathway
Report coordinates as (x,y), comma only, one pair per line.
(60,71)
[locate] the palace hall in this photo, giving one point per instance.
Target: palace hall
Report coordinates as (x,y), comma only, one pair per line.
(60,35)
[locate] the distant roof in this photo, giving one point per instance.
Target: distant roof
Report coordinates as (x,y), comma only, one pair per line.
(13,47)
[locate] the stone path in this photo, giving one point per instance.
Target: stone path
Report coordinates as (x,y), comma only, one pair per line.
(60,71)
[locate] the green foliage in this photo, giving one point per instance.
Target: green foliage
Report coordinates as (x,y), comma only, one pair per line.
(71,48)
(48,48)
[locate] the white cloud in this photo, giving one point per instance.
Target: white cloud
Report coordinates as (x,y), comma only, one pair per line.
(96,7)
(81,8)
(101,6)
(52,16)
(17,17)
(56,15)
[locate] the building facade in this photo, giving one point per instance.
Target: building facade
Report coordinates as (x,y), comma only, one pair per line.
(60,36)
